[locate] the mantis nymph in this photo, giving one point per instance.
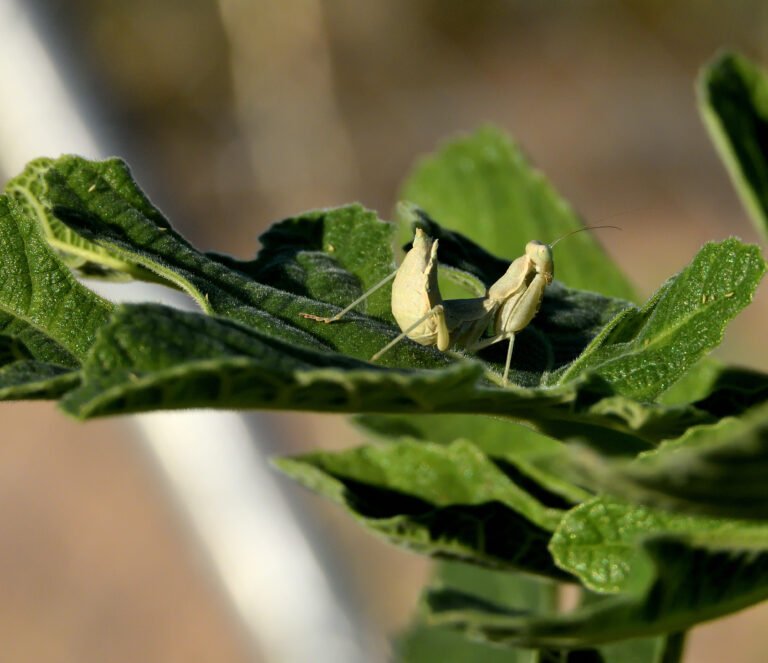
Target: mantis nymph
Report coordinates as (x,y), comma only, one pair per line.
(507,308)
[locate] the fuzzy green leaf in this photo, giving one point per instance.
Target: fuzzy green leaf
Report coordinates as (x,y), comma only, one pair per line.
(150,357)
(101,201)
(333,255)
(32,365)
(21,340)
(314,263)
(642,352)
(29,190)
(27,379)
(597,541)
(733,100)
(39,291)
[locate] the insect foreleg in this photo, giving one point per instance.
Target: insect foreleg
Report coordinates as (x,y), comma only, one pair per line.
(346,310)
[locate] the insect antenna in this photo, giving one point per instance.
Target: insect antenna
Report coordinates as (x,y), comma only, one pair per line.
(578,230)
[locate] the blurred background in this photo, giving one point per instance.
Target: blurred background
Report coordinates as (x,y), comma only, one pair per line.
(236,113)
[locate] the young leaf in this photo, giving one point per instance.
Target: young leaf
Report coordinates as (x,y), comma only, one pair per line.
(483,186)
(733,100)
(598,540)
(642,352)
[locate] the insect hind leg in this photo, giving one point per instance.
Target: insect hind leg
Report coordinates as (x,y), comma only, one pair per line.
(505,379)
(437,310)
(497,339)
(344,311)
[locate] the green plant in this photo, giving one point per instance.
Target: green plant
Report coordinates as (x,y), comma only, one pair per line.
(621,459)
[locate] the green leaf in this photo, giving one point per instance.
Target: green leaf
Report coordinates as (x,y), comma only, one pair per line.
(20,340)
(677,582)
(32,365)
(29,190)
(425,644)
(534,457)
(37,289)
(422,643)
(322,258)
(660,649)
(733,100)
(150,357)
(642,352)
(447,501)
(483,186)
(597,541)
(717,470)
(102,202)
(733,391)
(695,385)
(331,256)
(27,379)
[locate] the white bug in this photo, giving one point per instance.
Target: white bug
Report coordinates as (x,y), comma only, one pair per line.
(424,316)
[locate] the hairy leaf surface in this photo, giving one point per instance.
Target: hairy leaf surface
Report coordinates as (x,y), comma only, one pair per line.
(643,352)
(39,291)
(29,190)
(598,540)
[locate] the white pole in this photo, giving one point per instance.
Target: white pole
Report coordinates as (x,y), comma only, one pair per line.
(214,465)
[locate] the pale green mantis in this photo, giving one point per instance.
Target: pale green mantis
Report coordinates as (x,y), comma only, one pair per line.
(424,316)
